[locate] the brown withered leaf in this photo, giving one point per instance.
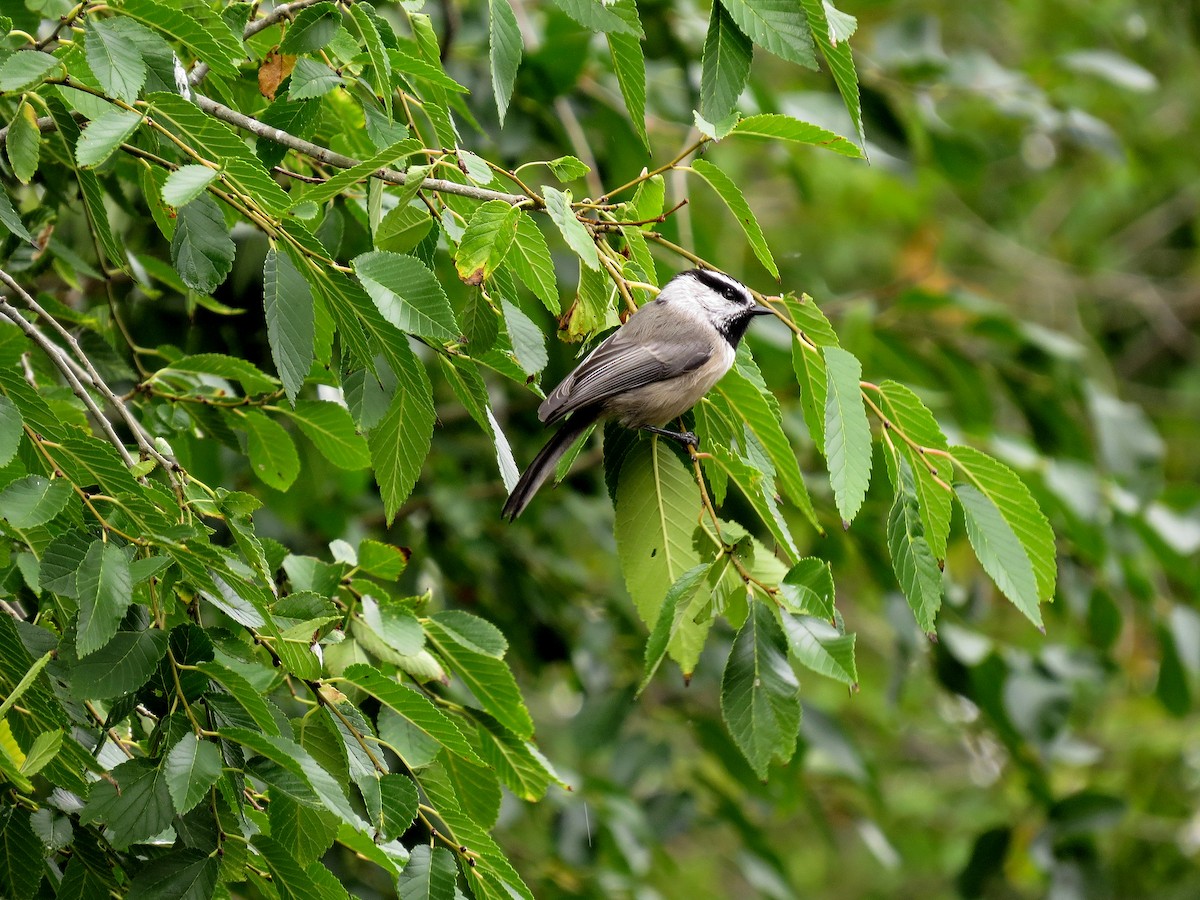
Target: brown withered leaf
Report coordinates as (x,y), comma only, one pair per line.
(274,69)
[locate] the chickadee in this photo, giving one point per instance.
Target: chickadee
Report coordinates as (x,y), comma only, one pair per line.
(656,367)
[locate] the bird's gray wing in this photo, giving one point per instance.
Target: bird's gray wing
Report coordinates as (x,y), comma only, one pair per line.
(624,361)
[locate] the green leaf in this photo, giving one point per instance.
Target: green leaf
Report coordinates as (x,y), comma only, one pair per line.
(657,508)
(44,748)
(105,591)
(114,58)
(382,560)
(847,433)
(784,128)
(291,318)
(104,134)
(331,429)
(187,183)
(760,697)
(26,68)
(808,588)
(244,693)
(311,79)
(598,16)
(120,667)
(528,341)
(558,205)
(1012,498)
(201,249)
(425,718)
(489,235)
(204,33)
(272,453)
(312,29)
(192,767)
(504,52)
(21,853)
(831,28)
(133,806)
(732,197)
(403,229)
(395,623)
(381,66)
(912,558)
(253,379)
(476,634)
(530,260)
(401,440)
(568,168)
(670,617)
(999,550)
(27,679)
(759,489)
(488,678)
(629,64)
(419,67)
(12,221)
(910,416)
(34,500)
(725,65)
(332,187)
(522,769)
(183,874)
(24,145)
(776,25)
(399,803)
(819,646)
(407,294)
(305,833)
(289,879)
(429,874)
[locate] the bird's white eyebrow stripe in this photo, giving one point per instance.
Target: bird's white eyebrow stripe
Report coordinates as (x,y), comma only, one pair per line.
(729,288)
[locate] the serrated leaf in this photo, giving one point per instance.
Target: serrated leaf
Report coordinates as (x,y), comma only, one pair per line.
(488,678)
(381,65)
(504,52)
(599,16)
(429,874)
(401,440)
(114,58)
(244,693)
(760,696)
(657,507)
(528,341)
(731,194)
(331,429)
(847,432)
(291,320)
(521,769)
(999,550)
(489,235)
(725,64)
(911,417)
(122,666)
(912,558)
(24,144)
(558,205)
(312,29)
(808,588)
(419,67)
(34,500)
(629,64)
(44,748)
(104,134)
(394,623)
(26,68)
(398,802)
(831,28)
(10,219)
(253,379)
(568,168)
(776,25)
(192,767)
(778,127)
(199,29)
(311,79)
(759,490)
(413,708)
(201,249)
(21,865)
(186,183)
(133,805)
(183,874)
(1013,499)
(382,560)
(272,452)
(476,634)
(105,589)
(407,294)
(670,617)
(530,260)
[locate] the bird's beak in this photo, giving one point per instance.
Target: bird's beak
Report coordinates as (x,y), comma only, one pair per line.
(762,311)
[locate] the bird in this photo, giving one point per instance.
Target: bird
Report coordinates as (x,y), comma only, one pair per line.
(652,369)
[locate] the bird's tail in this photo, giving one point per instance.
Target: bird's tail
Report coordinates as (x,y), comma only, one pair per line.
(543,464)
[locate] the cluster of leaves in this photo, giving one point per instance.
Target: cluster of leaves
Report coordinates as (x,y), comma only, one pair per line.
(217,708)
